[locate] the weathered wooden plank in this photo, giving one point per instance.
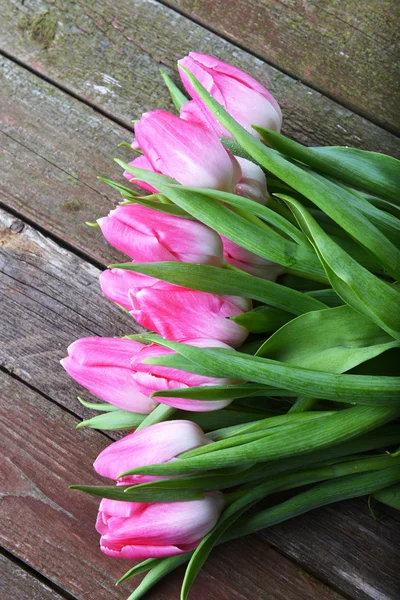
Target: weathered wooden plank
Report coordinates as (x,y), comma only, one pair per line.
(109,54)
(345,48)
(51,528)
(18,584)
(50,166)
(50,297)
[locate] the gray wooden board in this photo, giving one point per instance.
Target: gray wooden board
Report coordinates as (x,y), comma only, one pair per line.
(109,54)
(51,528)
(46,308)
(18,584)
(345,48)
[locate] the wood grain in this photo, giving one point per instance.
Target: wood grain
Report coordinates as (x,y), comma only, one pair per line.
(18,584)
(50,297)
(51,527)
(50,166)
(109,54)
(346,49)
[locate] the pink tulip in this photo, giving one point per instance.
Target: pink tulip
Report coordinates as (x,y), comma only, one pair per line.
(186,152)
(248,261)
(175,312)
(137,530)
(103,366)
(153,378)
(155,444)
(117,283)
(148,235)
(141,162)
(253,183)
(178,313)
(246,100)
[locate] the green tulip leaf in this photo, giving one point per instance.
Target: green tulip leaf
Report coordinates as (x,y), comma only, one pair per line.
(261,240)
(370,171)
(116,419)
(178,98)
(362,290)
(335,340)
(389,496)
(336,202)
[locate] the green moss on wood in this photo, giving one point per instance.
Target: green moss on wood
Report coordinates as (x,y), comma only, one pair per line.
(41,28)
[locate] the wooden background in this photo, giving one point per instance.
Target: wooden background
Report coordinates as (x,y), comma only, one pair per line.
(74,75)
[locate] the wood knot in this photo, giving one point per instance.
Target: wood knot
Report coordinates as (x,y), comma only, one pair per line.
(17,226)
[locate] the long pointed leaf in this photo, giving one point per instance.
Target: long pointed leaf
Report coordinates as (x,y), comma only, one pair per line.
(333,200)
(362,290)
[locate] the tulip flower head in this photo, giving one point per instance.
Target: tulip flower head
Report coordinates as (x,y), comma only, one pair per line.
(147,235)
(253,183)
(180,314)
(103,366)
(136,530)
(158,443)
(175,312)
(152,378)
(242,96)
(187,152)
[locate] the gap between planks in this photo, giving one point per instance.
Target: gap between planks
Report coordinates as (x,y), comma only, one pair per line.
(132,40)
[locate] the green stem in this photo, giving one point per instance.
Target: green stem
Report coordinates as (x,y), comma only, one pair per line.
(162,412)
(302,404)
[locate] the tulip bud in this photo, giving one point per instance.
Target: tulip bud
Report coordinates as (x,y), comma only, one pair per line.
(148,235)
(141,162)
(153,378)
(253,183)
(179,313)
(186,152)
(155,444)
(103,366)
(137,530)
(116,284)
(242,96)
(249,262)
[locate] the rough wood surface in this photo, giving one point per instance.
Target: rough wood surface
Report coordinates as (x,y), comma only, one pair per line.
(51,528)
(345,48)
(18,584)
(109,55)
(45,308)
(49,298)
(50,165)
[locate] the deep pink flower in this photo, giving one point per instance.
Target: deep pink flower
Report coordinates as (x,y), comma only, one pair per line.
(242,96)
(103,366)
(152,378)
(147,235)
(155,444)
(136,530)
(248,261)
(175,312)
(186,152)
(116,284)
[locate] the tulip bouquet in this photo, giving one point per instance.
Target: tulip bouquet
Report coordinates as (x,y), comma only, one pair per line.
(265,275)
